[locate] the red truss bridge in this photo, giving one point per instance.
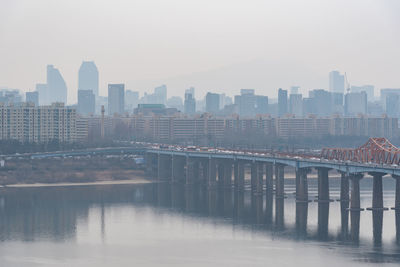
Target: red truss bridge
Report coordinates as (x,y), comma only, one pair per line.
(376,150)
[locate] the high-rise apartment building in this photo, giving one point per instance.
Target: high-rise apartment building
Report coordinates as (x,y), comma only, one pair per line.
(88,77)
(86,102)
(27,123)
(56,86)
(116,99)
(336,82)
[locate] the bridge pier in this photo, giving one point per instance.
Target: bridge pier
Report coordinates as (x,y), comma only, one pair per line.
(227,174)
(279,213)
(164,167)
(253,178)
(323,220)
(302,185)
(189,170)
(344,187)
(212,173)
(196,170)
(204,171)
(238,175)
(377,192)
(279,180)
(355,225)
(355,192)
(269,175)
(323,185)
(397,197)
(150,158)
(260,178)
(178,168)
(221,173)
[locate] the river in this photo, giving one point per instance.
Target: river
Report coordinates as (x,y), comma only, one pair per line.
(165,225)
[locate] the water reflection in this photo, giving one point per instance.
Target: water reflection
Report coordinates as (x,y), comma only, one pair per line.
(55,213)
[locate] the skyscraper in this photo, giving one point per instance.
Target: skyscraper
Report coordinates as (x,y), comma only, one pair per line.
(56,87)
(190,102)
(32,97)
(116,98)
(160,94)
(131,100)
(261,104)
(212,102)
(86,102)
(246,102)
(336,82)
(41,88)
(296,104)
(355,103)
(89,77)
(282,102)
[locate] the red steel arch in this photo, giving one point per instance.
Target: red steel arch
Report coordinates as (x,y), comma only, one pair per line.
(376,150)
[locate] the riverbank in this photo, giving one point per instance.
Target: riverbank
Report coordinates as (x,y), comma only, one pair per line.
(109,182)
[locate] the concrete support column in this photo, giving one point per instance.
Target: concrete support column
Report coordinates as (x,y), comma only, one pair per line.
(377,225)
(269,173)
(355,192)
(344,187)
(164,167)
(241,171)
(178,168)
(397,198)
(196,170)
(228,174)
(302,185)
(344,219)
(323,184)
(260,178)
(253,177)
(279,180)
(212,173)
(355,225)
(323,220)
(377,191)
(221,174)
(205,172)
(235,173)
(149,164)
(189,170)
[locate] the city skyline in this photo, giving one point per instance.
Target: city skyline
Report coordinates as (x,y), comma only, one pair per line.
(284,48)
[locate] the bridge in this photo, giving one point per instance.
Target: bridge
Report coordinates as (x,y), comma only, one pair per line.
(216,168)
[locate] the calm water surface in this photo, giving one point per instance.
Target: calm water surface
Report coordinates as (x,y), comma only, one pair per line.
(154,225)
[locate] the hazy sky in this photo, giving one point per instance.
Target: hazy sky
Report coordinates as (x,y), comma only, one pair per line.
(219,45)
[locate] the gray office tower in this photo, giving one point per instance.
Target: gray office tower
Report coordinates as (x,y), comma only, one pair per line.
(212,102)
(32,97)
(282,102)
(116,99)
(86,102)
(56,87)
(190,102)
(88,77)
(336,82)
